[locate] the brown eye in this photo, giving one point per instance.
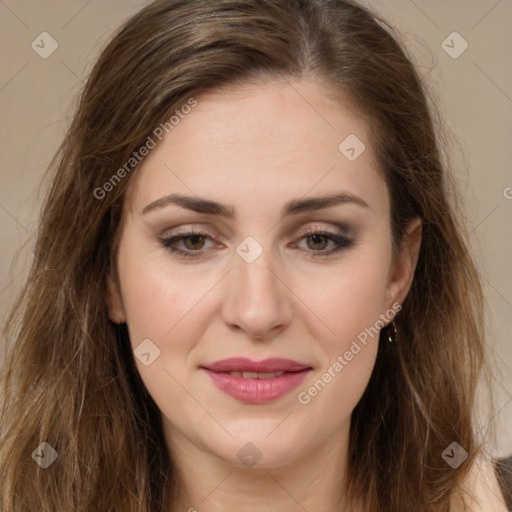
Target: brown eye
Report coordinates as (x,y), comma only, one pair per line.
(319,242)
(193,243)
(196,242)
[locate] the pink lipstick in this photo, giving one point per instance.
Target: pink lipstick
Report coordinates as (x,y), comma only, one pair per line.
(256,381)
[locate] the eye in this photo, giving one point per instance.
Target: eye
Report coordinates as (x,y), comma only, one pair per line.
(194,241)
(319,240)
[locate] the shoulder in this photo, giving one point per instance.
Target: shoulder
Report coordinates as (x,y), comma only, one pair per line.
(481,489)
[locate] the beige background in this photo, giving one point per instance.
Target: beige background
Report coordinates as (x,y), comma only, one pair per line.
(475,91)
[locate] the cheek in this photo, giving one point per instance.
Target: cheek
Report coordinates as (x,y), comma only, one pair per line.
(158,296)
(163,304)
(352,310)
(351,303)
(349,298)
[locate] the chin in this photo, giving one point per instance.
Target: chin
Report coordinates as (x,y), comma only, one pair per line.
(255,448)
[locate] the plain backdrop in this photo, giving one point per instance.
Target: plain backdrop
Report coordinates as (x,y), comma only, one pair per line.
(475,94)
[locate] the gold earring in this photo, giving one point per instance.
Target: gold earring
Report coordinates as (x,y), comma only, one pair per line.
(393,336)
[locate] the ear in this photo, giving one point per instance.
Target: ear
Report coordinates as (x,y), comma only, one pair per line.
(115,304)
(402,270)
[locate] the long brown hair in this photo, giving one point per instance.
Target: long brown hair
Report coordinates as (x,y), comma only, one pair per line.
(69,377)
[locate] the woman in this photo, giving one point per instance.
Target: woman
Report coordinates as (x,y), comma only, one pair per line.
(251,287)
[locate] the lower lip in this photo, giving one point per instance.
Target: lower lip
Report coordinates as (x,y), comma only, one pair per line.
(257,391)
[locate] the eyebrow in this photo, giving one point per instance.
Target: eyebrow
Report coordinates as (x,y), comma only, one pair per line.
(294,207)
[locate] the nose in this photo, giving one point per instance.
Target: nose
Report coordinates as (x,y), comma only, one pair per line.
(257,300)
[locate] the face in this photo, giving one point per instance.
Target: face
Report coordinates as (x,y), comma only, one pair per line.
(255,263)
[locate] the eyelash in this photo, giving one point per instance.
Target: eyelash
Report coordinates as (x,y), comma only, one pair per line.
(341,241)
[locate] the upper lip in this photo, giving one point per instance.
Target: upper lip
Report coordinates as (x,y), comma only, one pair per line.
(243,364)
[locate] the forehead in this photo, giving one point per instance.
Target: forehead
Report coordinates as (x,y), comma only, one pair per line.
(269,141)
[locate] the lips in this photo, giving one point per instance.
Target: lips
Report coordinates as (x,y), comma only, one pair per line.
(242,364)
(256,382)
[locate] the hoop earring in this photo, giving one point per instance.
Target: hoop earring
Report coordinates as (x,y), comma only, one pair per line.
(392,337)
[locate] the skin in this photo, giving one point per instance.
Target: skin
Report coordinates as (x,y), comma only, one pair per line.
(255,149)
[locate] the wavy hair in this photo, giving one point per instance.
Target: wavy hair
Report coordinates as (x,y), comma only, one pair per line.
(69,377)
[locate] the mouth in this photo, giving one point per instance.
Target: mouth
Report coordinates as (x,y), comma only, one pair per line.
(267,366)
(256,382)
(256,375)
